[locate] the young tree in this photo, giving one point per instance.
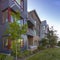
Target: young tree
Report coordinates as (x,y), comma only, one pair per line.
(52,37)
(15,29)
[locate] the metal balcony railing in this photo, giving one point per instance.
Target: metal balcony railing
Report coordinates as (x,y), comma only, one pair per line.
(14,5)
(30,32)
(11,3)
(31,21)
(17,7)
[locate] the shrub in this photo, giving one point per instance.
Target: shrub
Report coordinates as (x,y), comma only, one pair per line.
(20,55)
(2,56)
(35,51)
(27,53)
(41,47)
(24,54)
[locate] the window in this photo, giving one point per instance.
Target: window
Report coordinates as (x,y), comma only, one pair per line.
(5,16)
(5,43)
(35,23)
(21,43)
(43,27)
(12,19)
(21,22)
(35,32)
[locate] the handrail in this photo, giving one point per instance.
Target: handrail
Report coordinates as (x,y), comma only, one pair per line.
(30,31)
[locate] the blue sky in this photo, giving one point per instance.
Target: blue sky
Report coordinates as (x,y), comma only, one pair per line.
(47,10)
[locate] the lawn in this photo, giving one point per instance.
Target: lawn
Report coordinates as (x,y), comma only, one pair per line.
(6,57)
(48,54)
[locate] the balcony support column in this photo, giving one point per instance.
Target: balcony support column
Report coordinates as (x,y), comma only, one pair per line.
(9,20)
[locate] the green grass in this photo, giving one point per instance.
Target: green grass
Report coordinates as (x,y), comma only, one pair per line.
(9,58)
(2,56)
(48,54)
(6,57)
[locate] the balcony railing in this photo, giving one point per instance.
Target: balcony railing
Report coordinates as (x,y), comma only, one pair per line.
(30,32)
(10,3)
(14,5)
(31,21)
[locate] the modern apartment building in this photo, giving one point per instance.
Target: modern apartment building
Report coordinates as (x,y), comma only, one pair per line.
(44,29)
(34,27)
(30,32)
(6,8)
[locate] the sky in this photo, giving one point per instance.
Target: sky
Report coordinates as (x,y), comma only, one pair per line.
(47,10)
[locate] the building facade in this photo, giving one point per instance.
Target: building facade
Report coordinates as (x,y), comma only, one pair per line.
(35,28)
(6,8)
(44,29)
(14,6)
